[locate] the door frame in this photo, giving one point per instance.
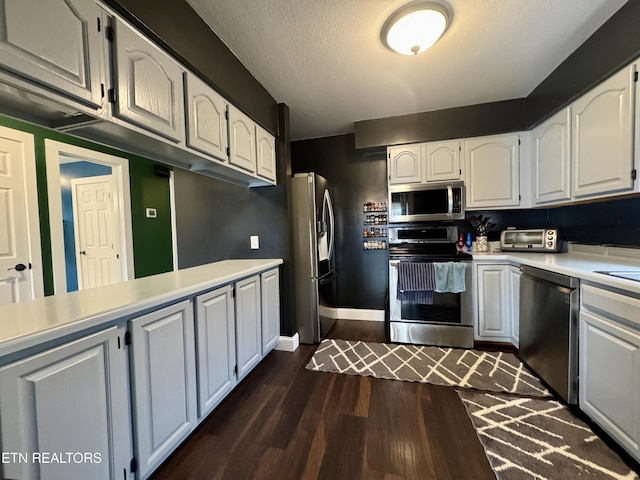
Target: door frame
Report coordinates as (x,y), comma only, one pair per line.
(115,226)
(36,273)
(58,152)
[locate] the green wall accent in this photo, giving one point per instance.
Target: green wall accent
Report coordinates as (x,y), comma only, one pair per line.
(152,243)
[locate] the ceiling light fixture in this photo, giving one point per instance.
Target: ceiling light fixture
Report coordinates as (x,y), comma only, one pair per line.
(415,27)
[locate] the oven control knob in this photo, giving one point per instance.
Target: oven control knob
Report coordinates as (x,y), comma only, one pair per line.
(549,244)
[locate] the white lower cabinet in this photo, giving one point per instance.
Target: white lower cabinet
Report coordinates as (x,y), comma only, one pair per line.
(76,398)
(163,382)
(71,399)
(609,389)
(216,347)
(270,289)
(248,324)
(494,309)
(514,304)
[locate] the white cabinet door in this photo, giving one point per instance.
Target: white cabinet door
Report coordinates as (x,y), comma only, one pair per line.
(71,399)
(149,84)
(164,378)
(492,171)
(405,164)
(443,161)
(248,325)
(552,159)
(610,378)
(207,129)
(602,150)
(242,140)
(54,43)
(514,304)
(270,289)
(493,303)
(216,344)
(266,154)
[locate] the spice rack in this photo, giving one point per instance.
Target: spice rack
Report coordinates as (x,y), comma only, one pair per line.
(375,226)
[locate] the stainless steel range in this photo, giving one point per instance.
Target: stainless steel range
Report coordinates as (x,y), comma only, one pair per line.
(428,317)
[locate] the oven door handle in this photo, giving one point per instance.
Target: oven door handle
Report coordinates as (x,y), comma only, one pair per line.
(450,200)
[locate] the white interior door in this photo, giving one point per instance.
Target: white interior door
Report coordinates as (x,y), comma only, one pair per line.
(20,259)
(96,238)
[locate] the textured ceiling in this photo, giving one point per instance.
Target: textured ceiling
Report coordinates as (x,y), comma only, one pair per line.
(324,58)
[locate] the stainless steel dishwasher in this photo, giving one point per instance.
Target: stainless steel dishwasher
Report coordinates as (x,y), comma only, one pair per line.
(549,328)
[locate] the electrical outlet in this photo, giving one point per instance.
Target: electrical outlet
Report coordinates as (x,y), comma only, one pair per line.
(255,242)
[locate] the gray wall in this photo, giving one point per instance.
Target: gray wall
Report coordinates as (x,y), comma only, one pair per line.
(215,220)
(356,178)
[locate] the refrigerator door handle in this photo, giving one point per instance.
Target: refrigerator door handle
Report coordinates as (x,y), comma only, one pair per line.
(327,277)
(331,226)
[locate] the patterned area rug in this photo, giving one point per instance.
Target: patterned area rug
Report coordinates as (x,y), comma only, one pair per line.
(539,439)
(491,371)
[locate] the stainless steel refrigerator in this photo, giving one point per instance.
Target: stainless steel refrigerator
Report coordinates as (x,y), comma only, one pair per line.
(313,255)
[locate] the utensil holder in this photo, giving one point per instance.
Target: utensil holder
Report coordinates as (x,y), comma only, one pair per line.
(482,245)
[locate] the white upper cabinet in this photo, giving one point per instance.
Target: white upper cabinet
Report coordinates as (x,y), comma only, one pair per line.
(443,161)
(405,164)
(56,44)
(206,118)
(266,154)
(242,140)
(602,149)
(492,167)
(149,84)
(552,159)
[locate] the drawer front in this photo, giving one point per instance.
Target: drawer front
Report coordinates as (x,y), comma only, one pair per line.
(611,304)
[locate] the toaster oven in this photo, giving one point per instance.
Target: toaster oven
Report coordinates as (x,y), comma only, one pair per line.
(531,240)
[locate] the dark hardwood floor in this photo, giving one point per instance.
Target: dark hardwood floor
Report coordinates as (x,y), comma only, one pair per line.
(285,422)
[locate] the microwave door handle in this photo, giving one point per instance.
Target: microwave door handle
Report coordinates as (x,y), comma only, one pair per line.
(450,200)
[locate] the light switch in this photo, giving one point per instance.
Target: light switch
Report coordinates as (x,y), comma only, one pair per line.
(151,213)
(255,242)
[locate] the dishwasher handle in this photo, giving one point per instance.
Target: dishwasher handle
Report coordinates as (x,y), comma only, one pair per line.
(551,277)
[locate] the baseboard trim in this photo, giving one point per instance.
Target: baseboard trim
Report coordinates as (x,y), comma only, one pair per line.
(368,315)
(288,344)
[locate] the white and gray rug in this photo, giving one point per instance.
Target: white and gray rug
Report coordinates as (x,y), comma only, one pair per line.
(491,371)
(529,438)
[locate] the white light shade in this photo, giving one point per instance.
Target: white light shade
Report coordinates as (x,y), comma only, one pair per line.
(413,30)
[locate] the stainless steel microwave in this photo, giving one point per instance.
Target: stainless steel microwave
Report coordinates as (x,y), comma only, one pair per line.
(420,203)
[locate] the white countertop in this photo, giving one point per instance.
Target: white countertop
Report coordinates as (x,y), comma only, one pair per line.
(30,323)
(579,264)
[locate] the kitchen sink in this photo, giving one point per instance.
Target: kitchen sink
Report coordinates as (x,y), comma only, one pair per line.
(628,275)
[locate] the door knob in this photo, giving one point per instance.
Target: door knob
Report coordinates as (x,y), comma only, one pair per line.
(83,252)
(20,267)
